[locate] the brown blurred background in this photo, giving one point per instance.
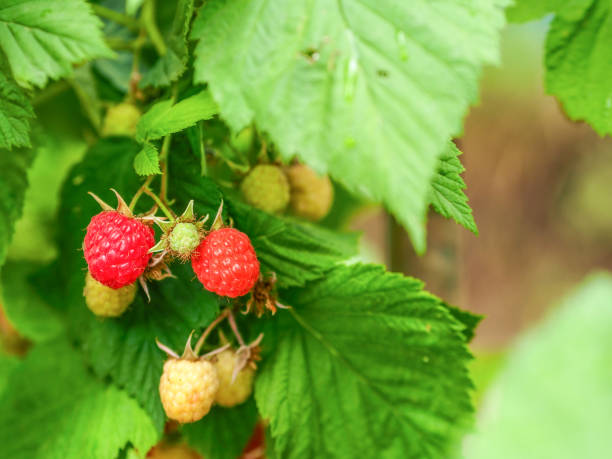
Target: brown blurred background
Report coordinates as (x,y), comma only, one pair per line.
(540,188)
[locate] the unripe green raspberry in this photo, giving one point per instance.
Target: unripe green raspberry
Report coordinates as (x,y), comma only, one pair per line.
(232,393)
(184,238)
(121,119)
(311,195)
(187,389)
(104,301)
(266,188)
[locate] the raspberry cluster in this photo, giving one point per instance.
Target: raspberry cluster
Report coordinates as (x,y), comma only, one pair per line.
(272,188)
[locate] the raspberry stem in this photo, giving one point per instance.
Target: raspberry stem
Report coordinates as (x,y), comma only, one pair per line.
(136,197)
(167,212)
(163,159)
(209,329)
(234,327)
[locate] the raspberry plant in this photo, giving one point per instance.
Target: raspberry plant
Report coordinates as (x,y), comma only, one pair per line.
(226,127)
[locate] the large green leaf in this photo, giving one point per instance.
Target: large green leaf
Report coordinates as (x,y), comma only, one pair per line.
(447,194)
(13,184)
(53,408)
(553,398)
(224,432)
(366,90)
(124,348)
(28,311)
(171,65)
(527,10)
(579,62)
(366,364)
(166,117)
(15,112)
(43,39)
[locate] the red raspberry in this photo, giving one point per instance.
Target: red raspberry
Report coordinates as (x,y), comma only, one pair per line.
(225,263)
(117,248)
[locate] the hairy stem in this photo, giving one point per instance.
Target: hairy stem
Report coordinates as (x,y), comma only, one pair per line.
(163,159)
(167,212)
(209,329)
(112,15)
(148,21)
(136,197)
(234,327)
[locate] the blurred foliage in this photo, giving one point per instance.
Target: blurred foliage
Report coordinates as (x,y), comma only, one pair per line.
(552,399)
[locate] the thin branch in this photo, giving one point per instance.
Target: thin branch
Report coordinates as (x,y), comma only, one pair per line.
(209,329)
(148,18)
(115,16)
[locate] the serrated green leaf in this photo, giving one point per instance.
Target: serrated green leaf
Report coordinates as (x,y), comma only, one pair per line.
(146,162)
(43,39)
(365,90)
(366,364)
(27,311)
(447,195)
(467,319)
(224,432)
(295,252)
(13,184)
(165,118)
(171,65)
(552,398)
(579,62)
(123,348)
(53,408)
(15,112)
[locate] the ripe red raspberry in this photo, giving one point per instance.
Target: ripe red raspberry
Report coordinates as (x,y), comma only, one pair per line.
(117,248)
(225,263)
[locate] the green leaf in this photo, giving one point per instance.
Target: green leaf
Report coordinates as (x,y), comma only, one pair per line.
(15,112)
(84,85)
(447,194)
(52,407)
(528,10)
(296,252)
(468,319)
(366,364)
(224,432)
(8,363)
(123,348)
(365,90)
(43,39)
(13,184)
(27,311)
(579,62)
(171,65)
(165,118)
(552,398)
(146,162)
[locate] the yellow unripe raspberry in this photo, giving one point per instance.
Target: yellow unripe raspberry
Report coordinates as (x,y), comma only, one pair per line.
(232,393)
(266,188)
(104,301)
(311,195)
(187,389)
(172,451)
(121,119)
